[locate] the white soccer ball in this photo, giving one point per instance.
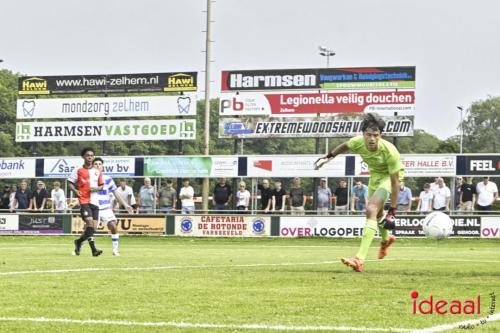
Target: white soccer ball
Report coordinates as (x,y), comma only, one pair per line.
(437,225)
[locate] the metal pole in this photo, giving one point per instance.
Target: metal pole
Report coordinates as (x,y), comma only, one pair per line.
(206,142)
(461,128)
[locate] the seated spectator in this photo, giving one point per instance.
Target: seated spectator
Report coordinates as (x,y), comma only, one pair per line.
(58,198)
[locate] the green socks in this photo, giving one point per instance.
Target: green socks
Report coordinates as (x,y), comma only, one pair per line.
(368,234)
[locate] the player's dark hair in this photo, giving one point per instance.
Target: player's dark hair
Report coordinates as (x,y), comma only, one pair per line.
(372,121)
(85,150)
(98,159)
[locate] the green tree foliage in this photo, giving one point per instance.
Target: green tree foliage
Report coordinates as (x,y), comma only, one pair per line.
(482,126)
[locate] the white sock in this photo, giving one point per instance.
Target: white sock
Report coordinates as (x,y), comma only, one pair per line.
(114,241)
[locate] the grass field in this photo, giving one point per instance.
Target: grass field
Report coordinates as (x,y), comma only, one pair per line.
(238,285)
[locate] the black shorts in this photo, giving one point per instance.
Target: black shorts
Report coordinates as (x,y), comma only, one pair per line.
(89,210)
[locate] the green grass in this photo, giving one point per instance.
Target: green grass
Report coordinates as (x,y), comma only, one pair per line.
(291,285)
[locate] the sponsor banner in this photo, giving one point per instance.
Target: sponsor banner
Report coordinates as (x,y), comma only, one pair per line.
(317,226)
(194,166)
(490,227)
(478,165)
(126,224)
(9,223)
(280,105)
(112,107)
(223,226)
(108,83)
(293,166)
(40,224)
(463,226)
(319,78)
(115,130)
(257,127)
(62,167)
(417,166)
(17,168)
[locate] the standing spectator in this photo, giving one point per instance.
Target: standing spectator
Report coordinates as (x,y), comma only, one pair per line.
(359,197)
(341,195)
(487,194)
(323,197)
(297,198)
(40,196)
(278,197)
(425,200)
(12,198)
(435,185)
(458,193)
(243,197)
(168,197)
(404,198)
(127,194)
(24,197)
(442,196)
(265,195)
(5,198)
(147,195)
(468,196)
(186,195)
(58,198)
(221,196)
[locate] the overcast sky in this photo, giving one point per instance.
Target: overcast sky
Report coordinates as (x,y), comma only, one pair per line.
(454,44)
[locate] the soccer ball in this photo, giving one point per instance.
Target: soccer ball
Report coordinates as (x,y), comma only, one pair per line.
(437,225)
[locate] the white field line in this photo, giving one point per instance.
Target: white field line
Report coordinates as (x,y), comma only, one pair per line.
(152,268)
(474,323)
(203,325)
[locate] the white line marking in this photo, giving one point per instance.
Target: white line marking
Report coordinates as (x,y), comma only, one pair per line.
(203,325)
(151,268)
(475,323)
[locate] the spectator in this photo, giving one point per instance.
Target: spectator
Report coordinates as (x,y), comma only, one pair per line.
(127,194)
(442,196)
(265,195)
(435,185)
(278,197)
(404,198)
(40,196)
(147,195)
(24,197)
(359,197)
(297,198)
(221,196)
(458,193)
(425,200)
(168,197)
(323,197)
(243,197)
(58,198)
(487,194)
(468,196)
(5,198)
(341,194)
(186,195)
(12,198)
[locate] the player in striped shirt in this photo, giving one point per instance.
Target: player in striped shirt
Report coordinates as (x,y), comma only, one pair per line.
(85,182)
(106,214)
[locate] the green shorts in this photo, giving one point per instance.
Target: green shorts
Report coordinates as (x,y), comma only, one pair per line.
(381,184)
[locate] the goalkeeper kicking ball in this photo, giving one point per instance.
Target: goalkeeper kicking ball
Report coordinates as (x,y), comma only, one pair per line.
(437,225)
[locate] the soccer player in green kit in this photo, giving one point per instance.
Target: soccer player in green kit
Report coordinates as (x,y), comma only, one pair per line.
(386,172)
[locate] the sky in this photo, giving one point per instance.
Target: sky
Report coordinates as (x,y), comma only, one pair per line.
(454,44)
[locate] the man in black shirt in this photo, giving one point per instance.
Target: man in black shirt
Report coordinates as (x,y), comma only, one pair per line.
(221,196)
(5,198)
(341,194)
(265,195)
(467,196)
(278,198)
(23,199)
(40,196)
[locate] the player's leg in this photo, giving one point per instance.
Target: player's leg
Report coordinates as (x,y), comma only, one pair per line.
(86,214)
(383,192)
(95,220)
(110,219)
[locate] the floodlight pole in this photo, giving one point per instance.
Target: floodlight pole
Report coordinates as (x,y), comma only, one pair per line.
(206,141)
(461,128)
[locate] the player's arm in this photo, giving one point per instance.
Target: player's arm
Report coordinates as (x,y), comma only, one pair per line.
(340,149)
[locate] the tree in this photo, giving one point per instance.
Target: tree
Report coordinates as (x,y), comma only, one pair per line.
(481,126)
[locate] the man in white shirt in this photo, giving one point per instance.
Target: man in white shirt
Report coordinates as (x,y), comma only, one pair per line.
(442,195)
(58,198)
(425,200)
(487,194)
(126,193)
(186,195)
